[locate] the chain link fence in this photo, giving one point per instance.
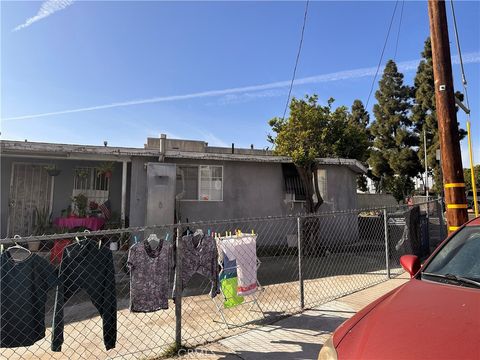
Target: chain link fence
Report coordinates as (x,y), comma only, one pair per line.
(77,295)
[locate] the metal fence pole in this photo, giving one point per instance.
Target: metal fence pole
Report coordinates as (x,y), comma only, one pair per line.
(441,222)
(300,255)
(385,225)
(178,290)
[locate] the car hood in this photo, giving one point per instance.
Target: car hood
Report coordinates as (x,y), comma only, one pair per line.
(420,320)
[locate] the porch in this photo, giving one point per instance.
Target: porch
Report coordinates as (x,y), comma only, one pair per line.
(51,193)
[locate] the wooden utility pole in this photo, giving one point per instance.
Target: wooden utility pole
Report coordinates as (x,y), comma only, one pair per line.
(452,169)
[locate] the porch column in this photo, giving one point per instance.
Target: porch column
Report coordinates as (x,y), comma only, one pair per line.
(124,192)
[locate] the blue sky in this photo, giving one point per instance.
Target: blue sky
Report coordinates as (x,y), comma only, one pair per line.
(201,63)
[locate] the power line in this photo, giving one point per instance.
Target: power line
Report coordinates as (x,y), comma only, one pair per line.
(398,33)
(381,55)
(297,59)
(457,40)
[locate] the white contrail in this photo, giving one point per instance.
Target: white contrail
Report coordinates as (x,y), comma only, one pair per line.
(473,57)
(47,8)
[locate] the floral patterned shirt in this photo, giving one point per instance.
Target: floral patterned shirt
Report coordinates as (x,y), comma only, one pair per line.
(150,271)
(200,255)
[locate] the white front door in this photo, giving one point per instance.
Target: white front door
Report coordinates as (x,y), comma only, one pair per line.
(30,188)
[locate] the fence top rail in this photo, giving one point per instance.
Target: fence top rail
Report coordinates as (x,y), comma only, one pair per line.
(130,230)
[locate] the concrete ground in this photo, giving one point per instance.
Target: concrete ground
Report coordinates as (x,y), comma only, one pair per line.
(148,335)
(297,337)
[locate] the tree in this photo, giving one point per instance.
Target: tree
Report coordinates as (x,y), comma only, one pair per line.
(360,118)
(400,187)
(468,178)
(315,131)
(393,154)
(424,116)
(359,115)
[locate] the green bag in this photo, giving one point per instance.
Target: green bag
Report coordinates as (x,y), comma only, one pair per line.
(229,290)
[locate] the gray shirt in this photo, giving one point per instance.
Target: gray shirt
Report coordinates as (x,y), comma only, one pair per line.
(200,255)
(150,271)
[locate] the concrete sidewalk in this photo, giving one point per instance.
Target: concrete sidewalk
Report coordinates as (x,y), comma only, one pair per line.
(297,337)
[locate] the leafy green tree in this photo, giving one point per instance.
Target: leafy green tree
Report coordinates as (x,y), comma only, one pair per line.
(359,119)
(392,155)
(424,116)
(400,187)
(468,178)
(315,131)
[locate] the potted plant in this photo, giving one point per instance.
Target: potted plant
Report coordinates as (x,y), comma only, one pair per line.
(81,202)
(81,173)
(52,170)
(105,169)
(42,226)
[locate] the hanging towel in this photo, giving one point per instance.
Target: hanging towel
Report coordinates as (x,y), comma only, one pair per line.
(243,249)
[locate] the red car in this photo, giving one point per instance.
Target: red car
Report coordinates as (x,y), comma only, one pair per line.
(436,315)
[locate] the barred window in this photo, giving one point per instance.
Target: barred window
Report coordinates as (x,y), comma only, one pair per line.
(91,183)
(294,187)
(88,178)
(203,183)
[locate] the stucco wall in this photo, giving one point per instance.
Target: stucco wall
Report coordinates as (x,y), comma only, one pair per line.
(249,190)
(341,189)
(63,185)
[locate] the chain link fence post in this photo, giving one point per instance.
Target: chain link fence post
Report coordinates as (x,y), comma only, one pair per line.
(178,289)
(387,250)
(300,255)
(441,221)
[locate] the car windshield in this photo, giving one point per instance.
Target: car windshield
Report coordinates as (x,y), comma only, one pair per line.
(460,256)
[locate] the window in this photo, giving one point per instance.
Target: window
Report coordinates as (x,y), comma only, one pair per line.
(294,188)
(89,182)
(204,182)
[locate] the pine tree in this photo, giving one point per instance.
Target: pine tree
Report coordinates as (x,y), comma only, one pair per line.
(358,114)
(392,155)
(424,116)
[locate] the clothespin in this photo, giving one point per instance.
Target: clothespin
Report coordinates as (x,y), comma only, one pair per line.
(166,237)
(208,232)
(100,244)
(253,232)
(1,249)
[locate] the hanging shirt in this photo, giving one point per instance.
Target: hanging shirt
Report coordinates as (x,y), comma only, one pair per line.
(150,271)
(243,249)
(199,255)
(85,266)
(23,294)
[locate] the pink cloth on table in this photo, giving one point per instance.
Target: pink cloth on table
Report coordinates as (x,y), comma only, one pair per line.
(91,223)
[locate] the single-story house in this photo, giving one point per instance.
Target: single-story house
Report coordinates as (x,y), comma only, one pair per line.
(165,181)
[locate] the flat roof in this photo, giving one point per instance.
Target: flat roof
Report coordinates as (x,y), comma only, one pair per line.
(92,152)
